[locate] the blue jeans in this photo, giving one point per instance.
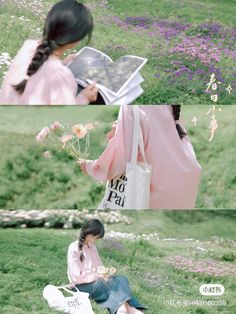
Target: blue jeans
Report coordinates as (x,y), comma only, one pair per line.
(111,294)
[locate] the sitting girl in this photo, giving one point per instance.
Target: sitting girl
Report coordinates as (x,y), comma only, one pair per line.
(37,75)
(113,292)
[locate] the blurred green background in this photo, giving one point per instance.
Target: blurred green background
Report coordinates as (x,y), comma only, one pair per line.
(30,181)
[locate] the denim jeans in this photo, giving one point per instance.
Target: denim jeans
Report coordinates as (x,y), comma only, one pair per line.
(111,294)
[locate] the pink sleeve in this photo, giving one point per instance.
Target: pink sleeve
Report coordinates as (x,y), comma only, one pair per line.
(16,73)
(99,261)
(64,91)
(74,269)
(57,89)
(81,100)
(112,162)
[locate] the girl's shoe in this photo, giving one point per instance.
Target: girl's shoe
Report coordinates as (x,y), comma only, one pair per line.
(122,309)
(132,310)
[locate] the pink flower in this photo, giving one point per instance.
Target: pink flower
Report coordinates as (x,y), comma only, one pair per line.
(66,138)
(47,154)
(90,126)
(56,125)
(42,134)
(79,130)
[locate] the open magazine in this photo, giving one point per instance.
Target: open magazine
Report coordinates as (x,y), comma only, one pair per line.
(119,82)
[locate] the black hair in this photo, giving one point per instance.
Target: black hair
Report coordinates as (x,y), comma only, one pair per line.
(67,22)
(176,113)
(93,227)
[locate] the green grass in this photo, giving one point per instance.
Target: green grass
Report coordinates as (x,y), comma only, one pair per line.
(116,41)
(28,180)
(216,158)
(54,184)
(35,257)
(193,11)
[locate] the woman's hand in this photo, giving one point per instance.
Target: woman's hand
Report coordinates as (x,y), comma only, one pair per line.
(90,92)
(106,272)
(83,163)
(69,58)
(113,131)
(112,270)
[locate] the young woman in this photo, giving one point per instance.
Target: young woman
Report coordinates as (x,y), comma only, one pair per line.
(112,293)
(175,169)
(37,75)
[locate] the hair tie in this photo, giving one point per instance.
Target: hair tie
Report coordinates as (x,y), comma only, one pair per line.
(177,121)
(27,77)
(52,44)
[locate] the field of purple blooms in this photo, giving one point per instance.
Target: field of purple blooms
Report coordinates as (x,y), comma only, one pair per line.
(184,41)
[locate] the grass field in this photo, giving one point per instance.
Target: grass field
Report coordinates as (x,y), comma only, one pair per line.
(185,42)
(28,180)
(159,270)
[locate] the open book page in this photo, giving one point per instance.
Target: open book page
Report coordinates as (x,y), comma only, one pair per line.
(117,75)
(88,62)
(128,98)
(110,98)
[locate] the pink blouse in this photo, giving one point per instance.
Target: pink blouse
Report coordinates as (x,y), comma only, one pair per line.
(52,84)
(175,169)
(82,272)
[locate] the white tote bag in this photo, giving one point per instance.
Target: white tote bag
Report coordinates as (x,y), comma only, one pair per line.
(77,303)
(132,189)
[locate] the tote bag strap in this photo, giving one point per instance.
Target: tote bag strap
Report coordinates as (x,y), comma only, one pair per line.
(67,290)
(137,137)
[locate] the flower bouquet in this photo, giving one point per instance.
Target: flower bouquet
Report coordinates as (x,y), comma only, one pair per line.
(60,137)
(106,272)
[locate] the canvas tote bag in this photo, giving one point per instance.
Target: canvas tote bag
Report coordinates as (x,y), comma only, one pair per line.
(132,189)
(77,303)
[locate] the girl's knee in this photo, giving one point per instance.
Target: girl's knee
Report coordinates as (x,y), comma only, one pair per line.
(122,278)
(101,283)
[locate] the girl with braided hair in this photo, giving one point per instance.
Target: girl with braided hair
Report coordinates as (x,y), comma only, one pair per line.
(175,169)
(37,75)
(84,264)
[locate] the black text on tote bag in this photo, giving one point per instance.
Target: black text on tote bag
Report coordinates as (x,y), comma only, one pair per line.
(132,189)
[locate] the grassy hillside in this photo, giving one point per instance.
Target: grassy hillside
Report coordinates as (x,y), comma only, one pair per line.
(184,41)
(192,249)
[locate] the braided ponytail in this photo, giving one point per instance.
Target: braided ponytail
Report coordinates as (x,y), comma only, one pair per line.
(93,227)
(176,113)
(81,243)
(67,22)
(43,51)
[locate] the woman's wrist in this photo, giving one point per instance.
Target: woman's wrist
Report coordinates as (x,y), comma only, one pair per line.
(69,59)
(82,99)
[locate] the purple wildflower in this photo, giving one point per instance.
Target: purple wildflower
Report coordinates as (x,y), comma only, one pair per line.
(198,48)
